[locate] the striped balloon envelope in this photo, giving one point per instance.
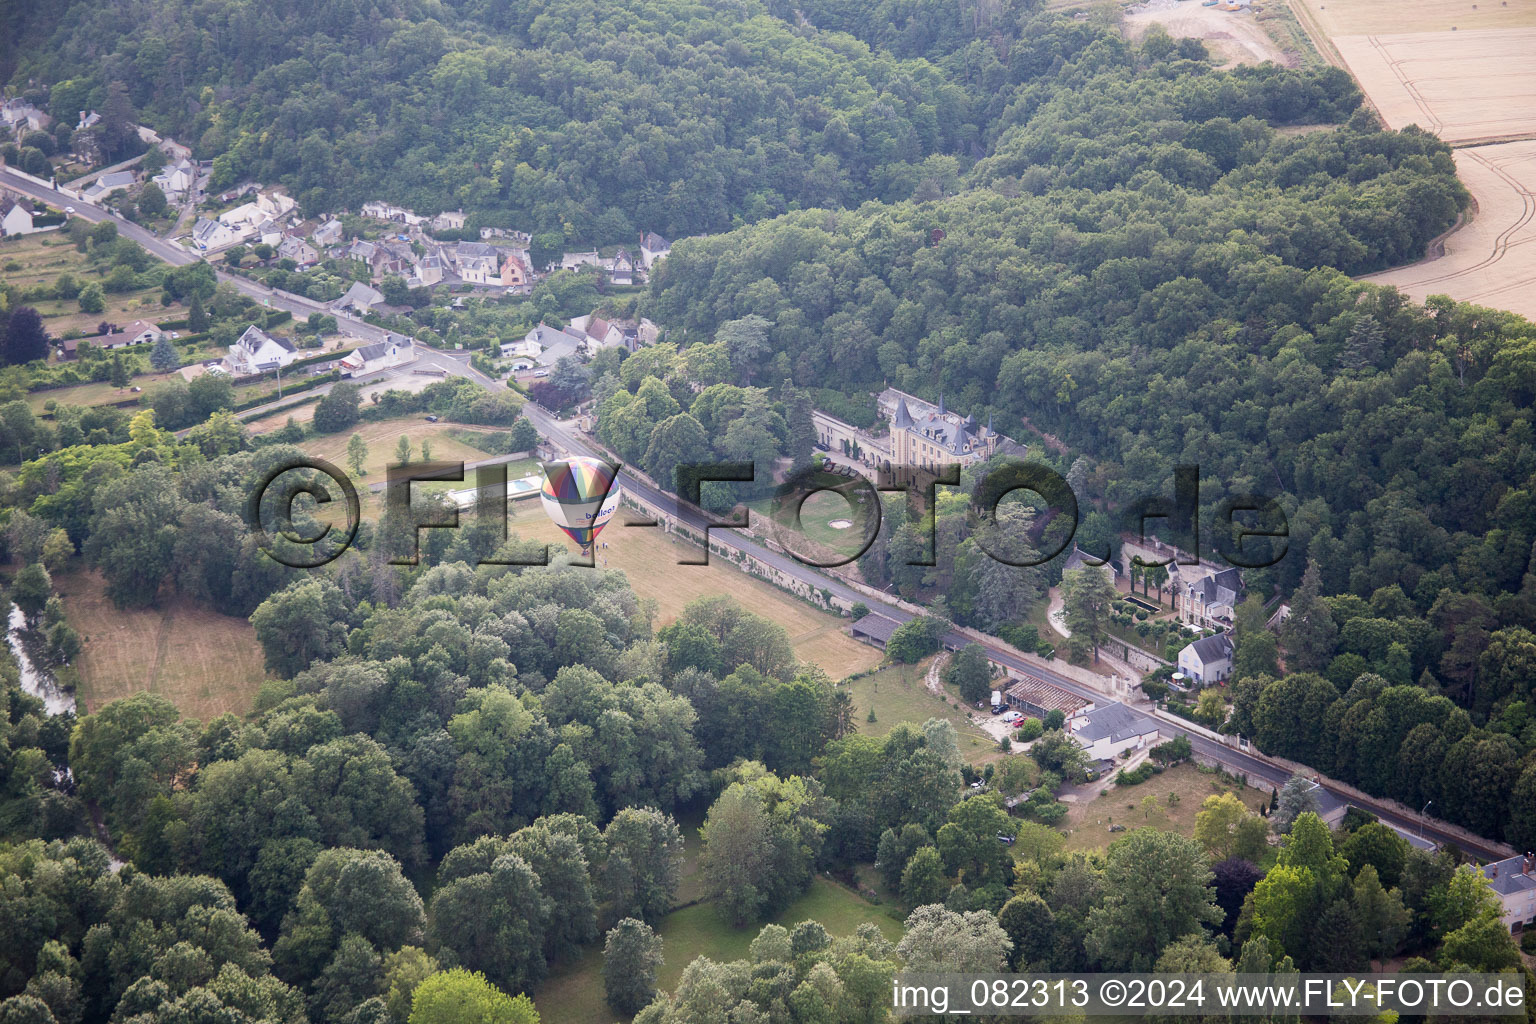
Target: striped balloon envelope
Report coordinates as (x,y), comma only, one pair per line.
(580,495)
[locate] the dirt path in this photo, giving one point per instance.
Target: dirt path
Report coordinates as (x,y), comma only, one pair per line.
(934,680)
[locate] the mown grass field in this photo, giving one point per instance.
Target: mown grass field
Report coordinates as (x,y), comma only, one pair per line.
(574,994)
(205,662)
(381,439)
(1087,824)
(898,694)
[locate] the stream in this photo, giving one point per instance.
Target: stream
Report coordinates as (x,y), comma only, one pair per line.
(34,680)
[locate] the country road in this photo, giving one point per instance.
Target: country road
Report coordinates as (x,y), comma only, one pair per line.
(564,436)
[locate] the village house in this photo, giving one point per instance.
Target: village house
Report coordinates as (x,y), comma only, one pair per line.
(652,248)
(360,298)
(328,234)
(555,345)
(20,116)
(255,352)
(1207,661)
(211,234)
(449,220)
(477,263)
(391,258)
(525,351)
(621,269)
(176,180)
(515,272)
(427,271)
(1109,731)
(15,218)
(301,252)
(107,184)
(577,260)
(392,351)
(1513,879)
(142,332)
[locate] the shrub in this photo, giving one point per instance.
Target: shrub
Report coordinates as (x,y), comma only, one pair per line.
(1136,776)
(1030,729)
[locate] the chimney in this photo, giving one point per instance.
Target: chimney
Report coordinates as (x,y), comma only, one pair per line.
(1493,869)
(1527,865)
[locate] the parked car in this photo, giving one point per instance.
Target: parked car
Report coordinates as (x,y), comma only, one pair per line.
(998,709)
(1005,838)
(431,419)
(1012,716)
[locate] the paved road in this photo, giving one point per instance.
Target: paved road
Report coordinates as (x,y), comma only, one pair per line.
(565,436)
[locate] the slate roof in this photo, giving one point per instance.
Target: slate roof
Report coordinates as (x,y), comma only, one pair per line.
(254,338)
(1511,875)
(1218,588)
(654,242)
(876,626)
(1114,722)
(1213,648)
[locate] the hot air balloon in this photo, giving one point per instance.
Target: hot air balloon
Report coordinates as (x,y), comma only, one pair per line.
(580,495)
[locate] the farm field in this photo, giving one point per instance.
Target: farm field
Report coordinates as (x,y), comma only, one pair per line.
(1491,260)
(1367,17)
(1471,84)
(205,662)
(1087,823)
(575,995)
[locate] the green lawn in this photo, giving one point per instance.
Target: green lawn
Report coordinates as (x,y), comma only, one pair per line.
(574,995)
(898,694)
(818,514)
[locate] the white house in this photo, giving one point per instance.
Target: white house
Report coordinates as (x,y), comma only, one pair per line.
(15,219)
(176,180)
(1514,880)
(360,297)
(255,351)
(652,248)
(392,351)
(449,220)
(1111,730)
(477,263)
(1208,660)
(211,234)
(555,345)
(524,349)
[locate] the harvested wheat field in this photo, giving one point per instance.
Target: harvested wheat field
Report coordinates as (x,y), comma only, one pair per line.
(1464,86)
(1492,259)
(1369,17)
(206,663)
